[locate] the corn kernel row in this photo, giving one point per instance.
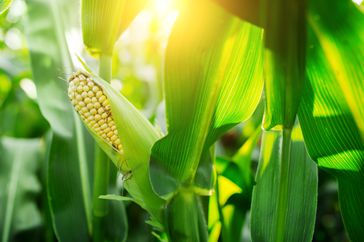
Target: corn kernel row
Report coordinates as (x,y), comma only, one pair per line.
(93,106)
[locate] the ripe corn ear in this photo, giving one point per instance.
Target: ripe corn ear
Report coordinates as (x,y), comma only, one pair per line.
(93,106)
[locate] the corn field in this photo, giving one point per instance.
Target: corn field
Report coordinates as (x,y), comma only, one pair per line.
(181,120)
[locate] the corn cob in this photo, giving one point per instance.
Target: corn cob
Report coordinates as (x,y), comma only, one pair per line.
(93,106)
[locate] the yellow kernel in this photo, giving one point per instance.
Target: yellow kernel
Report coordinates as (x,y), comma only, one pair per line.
(90,94)
(76,81)
(107,130)
(119,147)
(113,127)
(117,141)
(94,100)
(101,121)
(90,106)
(104,126)
(77,107)
(93,111)
(87,100)
(97,105)
(100,111)
(97,117)
(98,94)
(84,94)
(78,97)
(95,89)
(79,89)
(84,110)
(109,134)
(103,115)
(86,88)
(82,104)
(103,136)
(105,103)
(102,98)
(113,137)
(91,84)
(92,123)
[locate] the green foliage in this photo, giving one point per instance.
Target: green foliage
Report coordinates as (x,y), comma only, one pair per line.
(70,159)
(20,187)
(199,160)
(65,158)
(103,22)
(301,192)
(212,70)
(284,60)
(4,5)
(329,97)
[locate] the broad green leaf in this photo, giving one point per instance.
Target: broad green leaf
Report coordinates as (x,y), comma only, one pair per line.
(329,124)
(299,195)
(341,38)
(68,181)
(4,5)
(185,219)
(71,150)
(104,21)
(20,162)
(284,60)
(213,81)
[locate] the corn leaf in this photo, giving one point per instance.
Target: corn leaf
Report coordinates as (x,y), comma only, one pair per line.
(4,5)
(20,162)
(284,60)
(69,209)
(328,117)
(104,21)
(70,155)
(341,38)
(220,82)
(300,195)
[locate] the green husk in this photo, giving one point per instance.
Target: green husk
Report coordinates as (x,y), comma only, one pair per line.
(137,137)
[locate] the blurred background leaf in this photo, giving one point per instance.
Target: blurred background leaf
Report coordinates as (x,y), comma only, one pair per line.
(71,151)
(20,187)
(4,5)
(50,62)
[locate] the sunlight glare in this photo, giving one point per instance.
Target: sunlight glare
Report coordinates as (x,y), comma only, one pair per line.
(358,2)
(29,88)
(163,7)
